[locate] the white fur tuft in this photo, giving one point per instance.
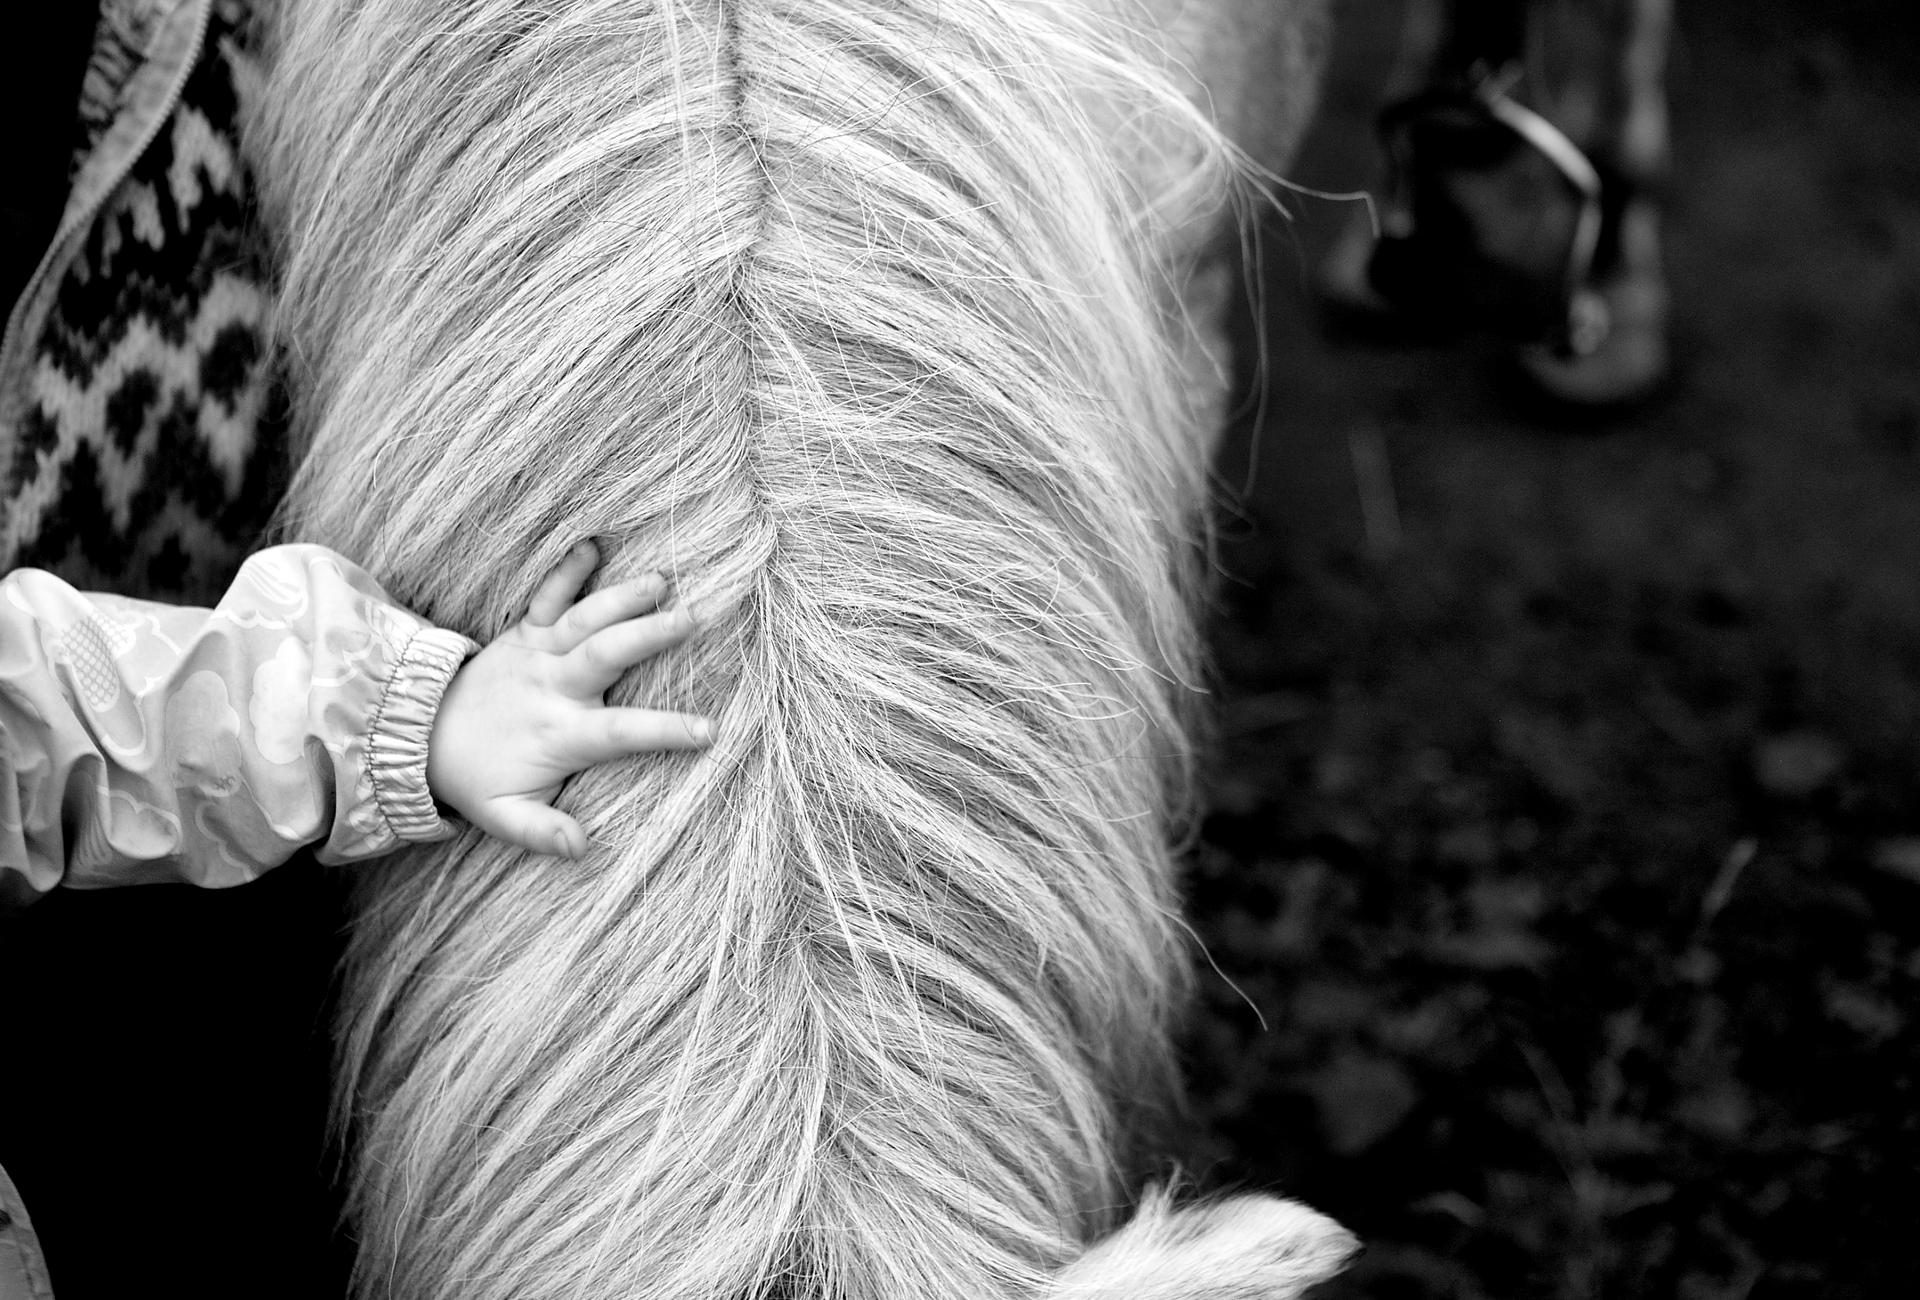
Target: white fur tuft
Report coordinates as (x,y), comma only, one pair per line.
(1242,1248)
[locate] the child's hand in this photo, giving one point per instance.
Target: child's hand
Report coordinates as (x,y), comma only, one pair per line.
(528,711)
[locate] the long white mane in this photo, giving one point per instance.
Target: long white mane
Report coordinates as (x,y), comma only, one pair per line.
(859,320)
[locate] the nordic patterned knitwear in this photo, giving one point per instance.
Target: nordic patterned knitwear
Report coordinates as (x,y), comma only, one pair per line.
(151,449)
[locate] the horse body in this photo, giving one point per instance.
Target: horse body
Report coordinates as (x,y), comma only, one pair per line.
(877,328)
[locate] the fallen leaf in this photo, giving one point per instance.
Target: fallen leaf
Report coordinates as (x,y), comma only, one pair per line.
(1722,1111)
(1898,857)
(1864,1012)
(1795,764)
(1489,949)
(1361,1099)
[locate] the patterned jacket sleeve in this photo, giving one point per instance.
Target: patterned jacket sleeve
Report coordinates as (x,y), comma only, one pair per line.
(143,742)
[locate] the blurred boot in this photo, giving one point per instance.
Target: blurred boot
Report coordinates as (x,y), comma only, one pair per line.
(1618,353)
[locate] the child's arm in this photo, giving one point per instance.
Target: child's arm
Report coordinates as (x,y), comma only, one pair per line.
(144,742)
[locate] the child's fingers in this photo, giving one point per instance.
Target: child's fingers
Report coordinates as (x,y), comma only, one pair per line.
(604,608)
(534,825)
(597,662)
(606,734)
(562,583)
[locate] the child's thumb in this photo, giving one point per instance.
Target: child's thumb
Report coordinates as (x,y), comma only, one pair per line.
(535,826)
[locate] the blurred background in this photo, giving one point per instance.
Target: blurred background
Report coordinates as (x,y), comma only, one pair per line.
(1561,867)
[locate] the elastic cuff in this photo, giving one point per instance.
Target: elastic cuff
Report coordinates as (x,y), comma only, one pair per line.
(397,741)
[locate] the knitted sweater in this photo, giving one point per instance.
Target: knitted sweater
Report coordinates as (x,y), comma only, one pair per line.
(142,438)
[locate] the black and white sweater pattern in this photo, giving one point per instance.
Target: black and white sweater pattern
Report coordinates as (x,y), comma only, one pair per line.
(150,449)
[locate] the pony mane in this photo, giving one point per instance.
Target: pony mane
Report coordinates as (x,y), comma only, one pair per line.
(854,319)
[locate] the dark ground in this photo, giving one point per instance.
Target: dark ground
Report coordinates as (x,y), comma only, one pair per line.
(1570,847)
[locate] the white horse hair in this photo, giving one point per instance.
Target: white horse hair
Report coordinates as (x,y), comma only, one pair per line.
(860,319)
